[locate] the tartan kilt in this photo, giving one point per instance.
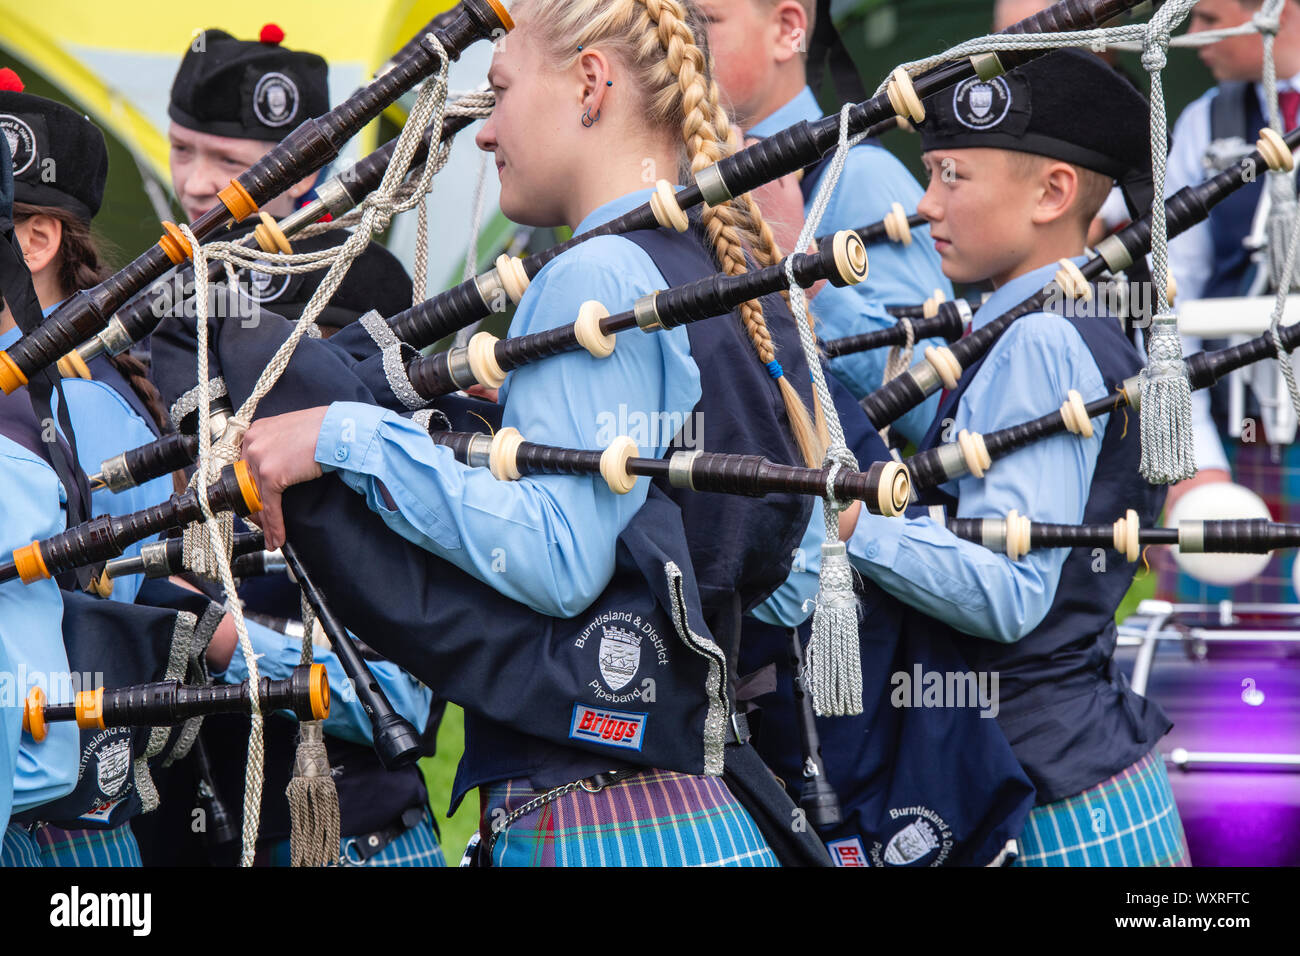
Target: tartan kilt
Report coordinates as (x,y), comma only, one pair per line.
(1128,820)
(1278,483)
(46,845)
(652,818)
(417,847)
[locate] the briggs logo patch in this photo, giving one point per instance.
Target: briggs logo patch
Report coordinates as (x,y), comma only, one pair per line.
(848,852)
(615,728)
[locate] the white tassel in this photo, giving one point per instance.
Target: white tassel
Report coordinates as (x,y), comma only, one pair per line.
(1168,452)
(834,659)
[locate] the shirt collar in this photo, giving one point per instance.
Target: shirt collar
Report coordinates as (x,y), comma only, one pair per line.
(802,107)
(1016,291)
(1283,84)
(613,209)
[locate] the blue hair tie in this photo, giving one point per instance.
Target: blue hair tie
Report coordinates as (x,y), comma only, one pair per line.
(774,369)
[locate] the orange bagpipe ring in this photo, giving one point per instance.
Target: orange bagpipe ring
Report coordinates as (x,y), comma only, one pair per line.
(11,376)
(248,487)
(236,199)
(30,563)
(175,244)
(34,715)
(90,709)
(319,692)
(502,14)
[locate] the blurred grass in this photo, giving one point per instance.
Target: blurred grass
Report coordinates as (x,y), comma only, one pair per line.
(439,772)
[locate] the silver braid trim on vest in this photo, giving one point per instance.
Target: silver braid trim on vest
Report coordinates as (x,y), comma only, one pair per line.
(715,720)
(394,361)
(178,658)
(188,403)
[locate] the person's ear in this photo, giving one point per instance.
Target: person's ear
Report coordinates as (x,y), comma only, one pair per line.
(596,81)
(40,237)
(1058,187)
(792,37)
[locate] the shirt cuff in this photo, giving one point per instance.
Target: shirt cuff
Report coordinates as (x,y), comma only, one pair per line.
(347,434)
(876,539)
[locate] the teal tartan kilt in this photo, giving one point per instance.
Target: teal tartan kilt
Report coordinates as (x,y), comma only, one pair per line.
(47,845)
(1128,820)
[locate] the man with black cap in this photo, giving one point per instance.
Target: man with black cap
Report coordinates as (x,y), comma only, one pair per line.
(1018,167)
(231,102)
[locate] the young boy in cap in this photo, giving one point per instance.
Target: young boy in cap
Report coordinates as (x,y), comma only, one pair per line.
(231,102)
(761,54)
(1019,166)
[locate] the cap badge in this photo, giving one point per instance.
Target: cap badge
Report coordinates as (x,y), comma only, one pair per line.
(981,104)
(275,99)
(21,140)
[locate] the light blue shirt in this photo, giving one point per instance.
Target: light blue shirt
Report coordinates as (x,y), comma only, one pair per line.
(547,541)
(278,654)
(1026,375)
(872,181)
(31,628)
(11,728)
(106,425)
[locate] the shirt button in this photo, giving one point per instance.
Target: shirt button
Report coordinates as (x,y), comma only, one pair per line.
(873,549)
(340,454)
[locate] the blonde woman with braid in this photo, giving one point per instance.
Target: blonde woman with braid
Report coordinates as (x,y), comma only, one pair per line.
(596,100)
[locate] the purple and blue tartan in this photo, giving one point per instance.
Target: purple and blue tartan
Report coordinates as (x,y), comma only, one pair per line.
(1278,483)
(1129,820)
(653,818)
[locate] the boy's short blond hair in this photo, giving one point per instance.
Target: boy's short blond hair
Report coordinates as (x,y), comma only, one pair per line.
(1094,187)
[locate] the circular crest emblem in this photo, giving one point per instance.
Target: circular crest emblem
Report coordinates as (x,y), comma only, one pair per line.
(21,140)
(275,99)
(981,104)
(266,287)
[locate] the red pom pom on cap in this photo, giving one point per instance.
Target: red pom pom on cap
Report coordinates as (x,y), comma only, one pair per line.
(10,81)
(272,34)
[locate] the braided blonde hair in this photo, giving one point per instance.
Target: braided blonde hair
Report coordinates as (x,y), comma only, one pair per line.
(656,41)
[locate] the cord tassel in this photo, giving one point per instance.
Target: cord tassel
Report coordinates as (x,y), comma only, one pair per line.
(313,802)
(1168,453)
(834,661)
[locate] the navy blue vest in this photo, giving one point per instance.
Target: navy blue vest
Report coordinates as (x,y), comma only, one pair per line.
(1234,112)
(891,765)
(1070,716)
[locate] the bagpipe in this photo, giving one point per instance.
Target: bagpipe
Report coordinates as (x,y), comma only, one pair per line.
(167,703)
(309,147)
(785,152)
(317,141)
(1117,252)
(973,453)
(1016,535)
(162,559)
(884,487)
(335,197)
(108,536)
